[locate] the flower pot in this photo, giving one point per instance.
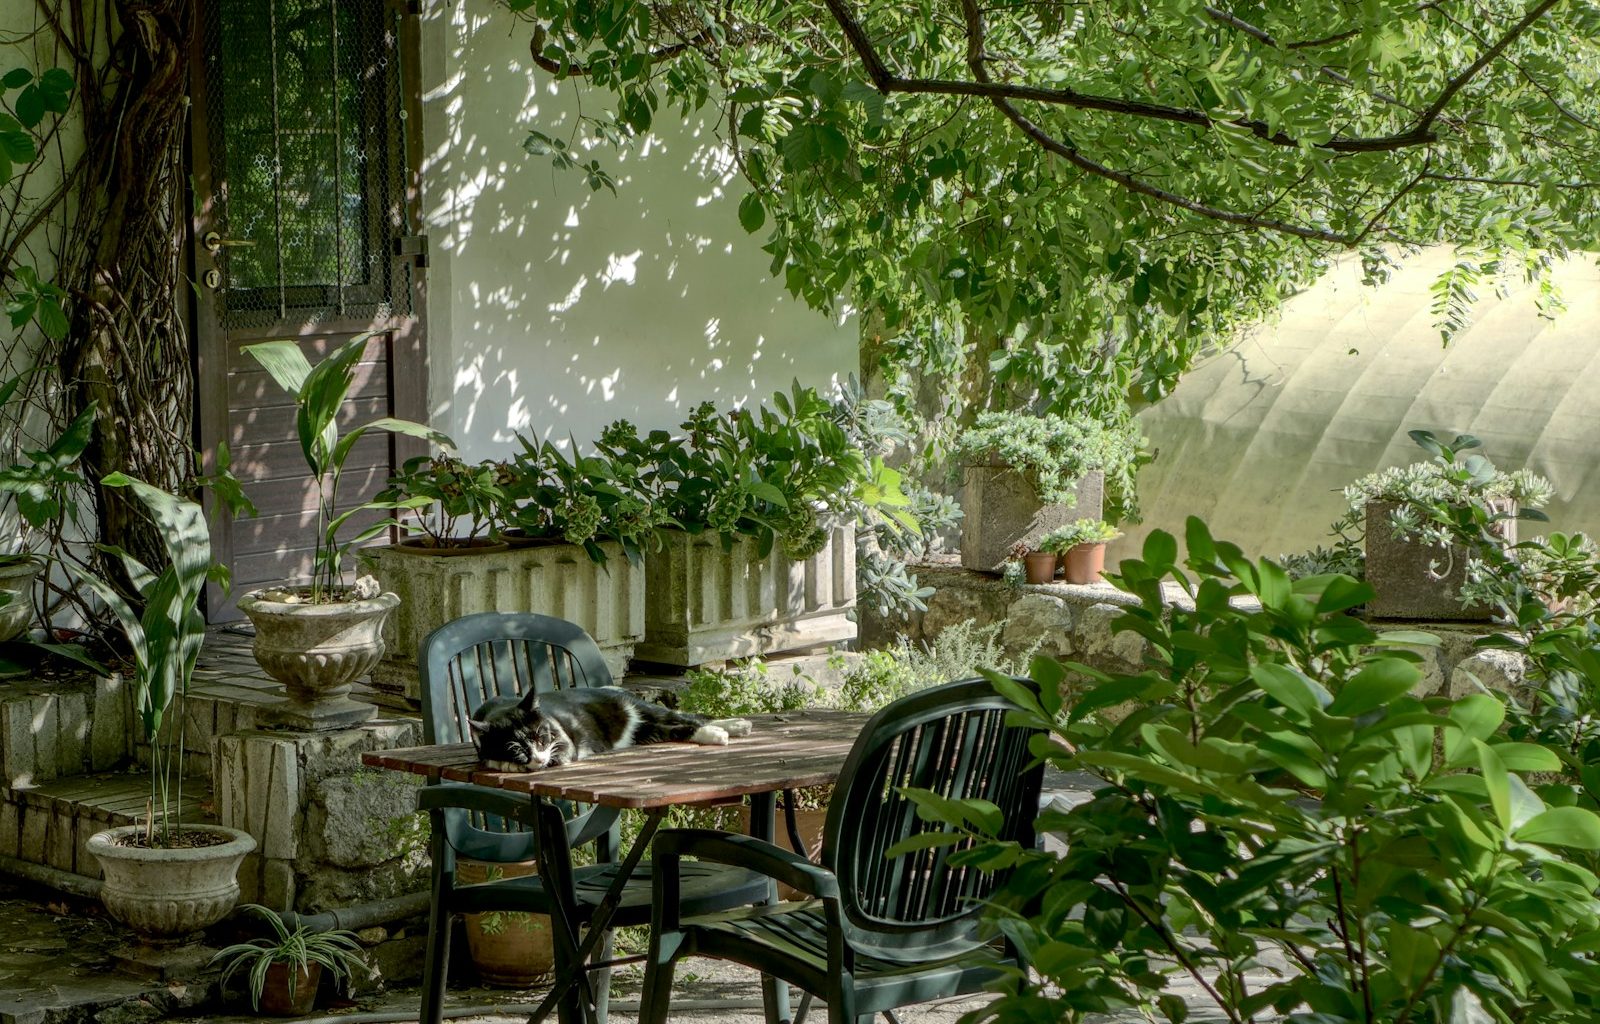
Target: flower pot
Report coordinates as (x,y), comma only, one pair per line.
(317,651)
(704,602)
(1413,580)
(280,1000)
(809,824)
(452,549)
(509,949)
(17,579)
(1040,566)
(1085,562)
(167,895)
(1002,509)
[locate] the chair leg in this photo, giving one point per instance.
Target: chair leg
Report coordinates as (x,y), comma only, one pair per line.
(659,968)
(602,978)
(436,967)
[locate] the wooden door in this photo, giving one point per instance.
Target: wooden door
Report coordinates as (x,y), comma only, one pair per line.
(305,207)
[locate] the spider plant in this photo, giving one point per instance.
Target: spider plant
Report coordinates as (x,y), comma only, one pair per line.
(296,949)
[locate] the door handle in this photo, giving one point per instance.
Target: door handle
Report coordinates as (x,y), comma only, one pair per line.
(215,243)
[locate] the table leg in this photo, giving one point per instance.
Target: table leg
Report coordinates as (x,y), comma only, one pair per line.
(599,924)
(763,826)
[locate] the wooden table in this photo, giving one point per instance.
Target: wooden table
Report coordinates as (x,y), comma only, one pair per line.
(783,752)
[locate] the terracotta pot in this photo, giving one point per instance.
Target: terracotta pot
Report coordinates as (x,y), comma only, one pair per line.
(1040,566)
(474,546)
(809,824)
(17,613)
(510,949)
(1085,562)
(275,995)
(167,895)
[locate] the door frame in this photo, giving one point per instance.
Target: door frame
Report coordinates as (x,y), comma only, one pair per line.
(407,336)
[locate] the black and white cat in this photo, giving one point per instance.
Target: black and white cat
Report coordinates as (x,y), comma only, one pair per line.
(543,730)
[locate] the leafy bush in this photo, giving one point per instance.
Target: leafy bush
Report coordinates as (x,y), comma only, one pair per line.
(1054,451)
(1281,825)
(745,689)
(452,500)
(960,651)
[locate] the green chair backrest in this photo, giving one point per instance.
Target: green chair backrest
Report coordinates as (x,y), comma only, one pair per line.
(952,740)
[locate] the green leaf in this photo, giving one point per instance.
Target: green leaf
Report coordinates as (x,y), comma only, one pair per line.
(751,213)
(1497,781)
(16,78)
(1572,827)
(30,106)
(1290,688)
(1375,686)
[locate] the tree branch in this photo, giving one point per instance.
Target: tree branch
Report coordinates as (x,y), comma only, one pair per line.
(1457,83)
(555,67)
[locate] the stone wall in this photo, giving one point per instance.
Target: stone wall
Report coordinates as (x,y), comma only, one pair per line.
(1075,622)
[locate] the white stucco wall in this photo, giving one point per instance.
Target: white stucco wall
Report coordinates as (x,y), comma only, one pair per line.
(553,309)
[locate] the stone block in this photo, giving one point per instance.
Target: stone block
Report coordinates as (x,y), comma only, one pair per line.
(1099,644)
(61,846)
(72,735)
(1503,672)
(1002,509)
(278,884)
(16,743)
(951,606)
(10,829)
(705,604)
(1412,580)
(550,579)
(361,820)
(111,724)
(1039,621)
(35,834)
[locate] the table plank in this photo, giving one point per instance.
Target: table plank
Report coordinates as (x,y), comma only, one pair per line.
(785,751)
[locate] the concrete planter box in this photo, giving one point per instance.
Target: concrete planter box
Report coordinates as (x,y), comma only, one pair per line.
(704,604)
(1404,586)
(1002,509)
(551,579)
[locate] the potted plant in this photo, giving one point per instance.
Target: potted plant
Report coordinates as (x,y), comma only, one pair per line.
(317,638)
(509,948)
(1025,475)
(1424,524)
(39,486)
(165,879)
(1040,566)
(454,505)
(1081,545)
(767,501)
(285,970)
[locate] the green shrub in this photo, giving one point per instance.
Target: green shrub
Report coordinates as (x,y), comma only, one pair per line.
(1054,451)
(1080,531)
(1283,828)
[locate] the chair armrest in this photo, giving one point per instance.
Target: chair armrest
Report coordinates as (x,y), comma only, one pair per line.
(467,797)
(745,852)
(588,827)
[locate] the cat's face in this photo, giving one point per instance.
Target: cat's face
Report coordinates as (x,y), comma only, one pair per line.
(518,737)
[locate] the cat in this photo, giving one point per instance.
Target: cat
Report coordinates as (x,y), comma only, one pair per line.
(543,730)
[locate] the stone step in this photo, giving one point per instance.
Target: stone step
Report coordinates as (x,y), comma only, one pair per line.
(64,726)
(49,823)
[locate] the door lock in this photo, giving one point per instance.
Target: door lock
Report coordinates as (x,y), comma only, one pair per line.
(212,278)
(215,243)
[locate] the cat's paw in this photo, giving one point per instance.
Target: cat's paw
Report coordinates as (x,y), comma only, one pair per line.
(710,735)
(735,726)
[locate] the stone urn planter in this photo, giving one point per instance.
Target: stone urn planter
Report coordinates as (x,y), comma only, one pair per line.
(16,579)
(1413,580)
(167,895)
(704,603)
(317,651)
(1002,509)
(531,576)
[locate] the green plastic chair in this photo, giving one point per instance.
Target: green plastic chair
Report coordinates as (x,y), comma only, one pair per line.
(879,932)
(493,654)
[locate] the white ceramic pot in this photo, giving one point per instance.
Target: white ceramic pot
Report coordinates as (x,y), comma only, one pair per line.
(166,895)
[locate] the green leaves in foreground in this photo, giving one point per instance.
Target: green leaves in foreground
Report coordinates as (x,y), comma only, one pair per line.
(1282,819)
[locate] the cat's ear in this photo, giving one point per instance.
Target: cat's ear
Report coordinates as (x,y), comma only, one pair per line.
(478,728)
(530,701)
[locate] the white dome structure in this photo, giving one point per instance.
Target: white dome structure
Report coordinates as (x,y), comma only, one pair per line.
(1260,440)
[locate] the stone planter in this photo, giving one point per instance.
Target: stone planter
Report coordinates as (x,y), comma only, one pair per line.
(317,651)
(167,895)
(17,579)
(705,604)
(1002,509)
(1404,585)
(551,579)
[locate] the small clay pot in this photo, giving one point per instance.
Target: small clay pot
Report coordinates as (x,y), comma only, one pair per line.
(474,546)
(275,997)
(1085,563)
(1040,566)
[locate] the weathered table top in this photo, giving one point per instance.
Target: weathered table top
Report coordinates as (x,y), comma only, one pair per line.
(786,751)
